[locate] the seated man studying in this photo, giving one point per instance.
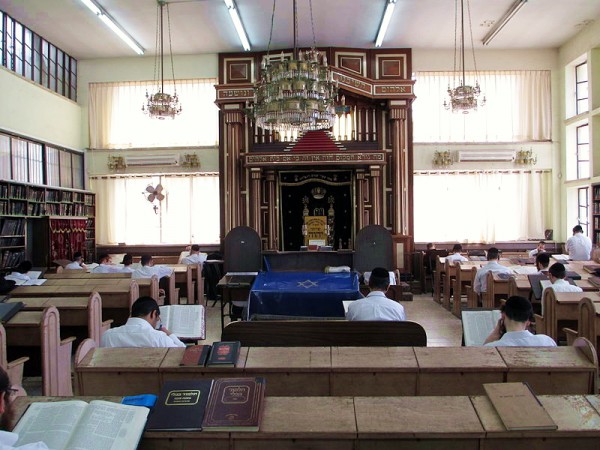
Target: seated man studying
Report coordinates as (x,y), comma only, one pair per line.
(511,330)
(143,329)
(493,256)
(557,275)
(376,306)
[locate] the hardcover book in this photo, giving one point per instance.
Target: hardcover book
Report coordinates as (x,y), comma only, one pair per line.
(180,406)
(224,354)
(518,407)
(75,424)
(235,404)
(195,355)
(8,310)
(185,321)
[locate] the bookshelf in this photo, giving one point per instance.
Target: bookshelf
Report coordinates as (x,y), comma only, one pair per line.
(596,214)
(26,214)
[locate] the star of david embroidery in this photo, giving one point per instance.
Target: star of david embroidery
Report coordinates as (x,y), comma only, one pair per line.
(308,284)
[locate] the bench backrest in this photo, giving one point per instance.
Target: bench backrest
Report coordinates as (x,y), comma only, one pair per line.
(300,333)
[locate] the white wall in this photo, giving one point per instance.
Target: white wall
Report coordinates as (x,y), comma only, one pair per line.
(38,113)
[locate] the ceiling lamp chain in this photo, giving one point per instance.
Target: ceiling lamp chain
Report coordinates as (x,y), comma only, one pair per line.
(296,93)
(161,105)
(463,97)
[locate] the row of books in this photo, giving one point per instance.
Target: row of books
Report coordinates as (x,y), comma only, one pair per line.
(11,241)
(226,404)
(11,259)
(65,209)
(12,227)
(222,354)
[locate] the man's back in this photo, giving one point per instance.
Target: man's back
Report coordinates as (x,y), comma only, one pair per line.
(376,306)
(137,333)
(579,247)
(480,284)
(523,339)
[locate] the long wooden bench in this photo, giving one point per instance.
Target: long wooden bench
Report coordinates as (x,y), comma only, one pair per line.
(298,333)
(74,312)
(116,298)
(337,371)
(147,286)
(42,329)
(326,423)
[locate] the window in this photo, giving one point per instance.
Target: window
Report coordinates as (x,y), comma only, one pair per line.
(583,151)
(583,208)
(29,55)
(518,108)
(581,88)
(188,214)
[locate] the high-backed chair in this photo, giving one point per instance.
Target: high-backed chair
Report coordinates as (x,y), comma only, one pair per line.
(373,249)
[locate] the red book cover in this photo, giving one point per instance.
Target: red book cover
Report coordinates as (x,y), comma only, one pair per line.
(224,354)
(235,404)
(195,355)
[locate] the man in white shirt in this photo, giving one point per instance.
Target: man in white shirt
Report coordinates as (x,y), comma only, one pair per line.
(127,263)
(376,306)
(557,274)
(20,273)
(148,269)
(541,248)
(195,256)
(493,256)
(579,246)
(456,256)
(105,265)
(77,263)
(143,329)
(8,439)
(511,330)
(542,261)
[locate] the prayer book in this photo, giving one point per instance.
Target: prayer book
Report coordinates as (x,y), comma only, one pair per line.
(195,355)
(185,321)
(74,424)
(478,324)
(8,310)
(180,406)
(518,407)
(224,354)
(235,404)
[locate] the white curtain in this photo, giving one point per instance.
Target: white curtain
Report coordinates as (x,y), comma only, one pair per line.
(188,214)
(480,206)
(116,119)
(518,108)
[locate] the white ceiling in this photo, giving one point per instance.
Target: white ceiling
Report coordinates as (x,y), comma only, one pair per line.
(203,26)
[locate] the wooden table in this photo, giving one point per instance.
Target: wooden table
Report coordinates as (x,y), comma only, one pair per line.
(232,290)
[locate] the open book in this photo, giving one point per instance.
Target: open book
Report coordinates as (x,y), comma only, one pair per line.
(478,324)
(185,321)
(75,424)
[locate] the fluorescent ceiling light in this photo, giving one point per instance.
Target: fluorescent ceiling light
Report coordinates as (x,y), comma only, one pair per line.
(237,23)
(516,6)
(113,25)
(387,16)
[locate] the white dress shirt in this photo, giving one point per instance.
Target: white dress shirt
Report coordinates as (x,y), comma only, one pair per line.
(533,253)
(375,306)
(579,247)
(148,271)
(480,284)
(456,257)
(523,339)
(8,441)
(73,266)
(106,268)
(16,276)
(138,332)
(564,286)
(196,258)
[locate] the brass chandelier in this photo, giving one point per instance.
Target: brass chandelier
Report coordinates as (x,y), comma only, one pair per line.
(296,93)
(162,105)
(463,97)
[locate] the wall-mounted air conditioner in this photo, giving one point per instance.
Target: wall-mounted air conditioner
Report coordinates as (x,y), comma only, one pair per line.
(486,155)
(151,160)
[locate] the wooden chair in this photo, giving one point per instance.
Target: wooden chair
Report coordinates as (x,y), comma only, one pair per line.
(301,333)
(438,278)
(557,306)
(450,270)
(86,346)
(588,325)
(587,348)
(14,369)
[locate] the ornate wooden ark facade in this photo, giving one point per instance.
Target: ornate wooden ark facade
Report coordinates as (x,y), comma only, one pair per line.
(357,174)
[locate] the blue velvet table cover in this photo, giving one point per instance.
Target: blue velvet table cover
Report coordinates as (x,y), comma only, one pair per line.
(308,294)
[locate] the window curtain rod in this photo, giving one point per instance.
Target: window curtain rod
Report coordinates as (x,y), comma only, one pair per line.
(146,175)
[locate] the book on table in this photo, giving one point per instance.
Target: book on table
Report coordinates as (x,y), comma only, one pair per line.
(224,354)
(478,324)
(518,407)
(235,404)
(180,406)
(8,310)
(185,321)
(75,424)
(195,355)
